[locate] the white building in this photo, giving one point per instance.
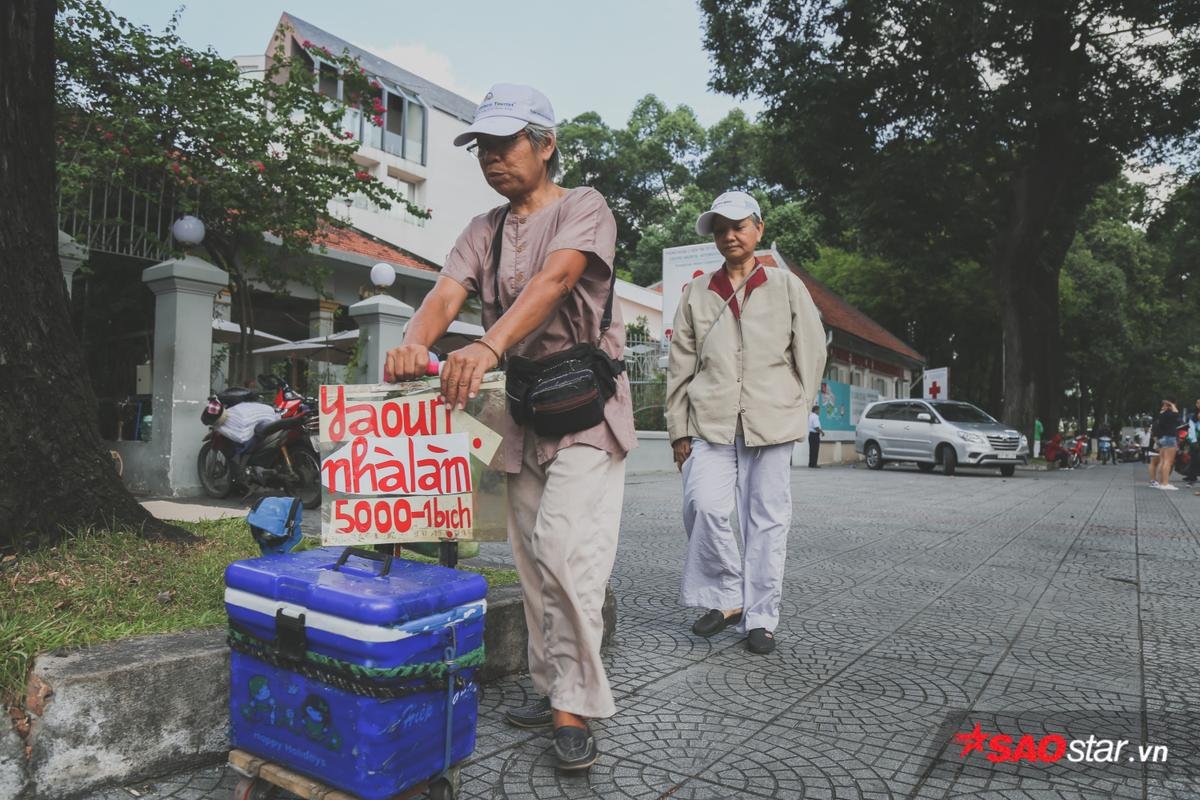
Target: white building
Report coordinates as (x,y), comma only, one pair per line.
(413,151)
(638,302)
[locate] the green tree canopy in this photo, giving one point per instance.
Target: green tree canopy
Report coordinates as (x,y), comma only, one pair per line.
(947,132)
(663,170)
(250,154)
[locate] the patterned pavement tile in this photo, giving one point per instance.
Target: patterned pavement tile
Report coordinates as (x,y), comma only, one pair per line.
(649,731)
(793,654)
(630,669)
(866,614)
(492,733)
(957,781)
(1029,606)
(776,763)
(930,684)
(527,772)
(922,651)
(753,694)
(971,631)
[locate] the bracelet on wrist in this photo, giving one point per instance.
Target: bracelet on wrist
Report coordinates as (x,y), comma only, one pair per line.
(495,352)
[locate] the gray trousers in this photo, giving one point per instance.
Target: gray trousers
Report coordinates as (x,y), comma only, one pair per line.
(563,521)
(715,573)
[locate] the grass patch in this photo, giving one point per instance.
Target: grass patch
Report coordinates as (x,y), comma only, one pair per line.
(495,576)
(110,585)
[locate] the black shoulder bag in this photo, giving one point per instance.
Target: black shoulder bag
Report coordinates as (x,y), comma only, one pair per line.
(564,392)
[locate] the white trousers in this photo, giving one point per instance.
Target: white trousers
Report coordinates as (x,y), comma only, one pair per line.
(563,521)
(715,574)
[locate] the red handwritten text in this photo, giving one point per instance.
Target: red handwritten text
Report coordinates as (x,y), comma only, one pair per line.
(393,418)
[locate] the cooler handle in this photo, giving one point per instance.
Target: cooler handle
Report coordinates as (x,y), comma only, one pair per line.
(370,555)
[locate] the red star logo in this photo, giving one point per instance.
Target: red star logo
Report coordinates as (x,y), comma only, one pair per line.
(972,742)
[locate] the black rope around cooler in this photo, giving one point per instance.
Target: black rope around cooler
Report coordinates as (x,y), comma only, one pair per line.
(378,682)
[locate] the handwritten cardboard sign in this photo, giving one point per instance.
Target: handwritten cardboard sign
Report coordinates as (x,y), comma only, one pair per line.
(398,465)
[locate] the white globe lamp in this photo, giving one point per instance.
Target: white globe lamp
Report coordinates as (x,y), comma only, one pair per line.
(188,230)
(383,275)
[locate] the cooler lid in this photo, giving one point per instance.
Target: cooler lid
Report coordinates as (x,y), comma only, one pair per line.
(356,590)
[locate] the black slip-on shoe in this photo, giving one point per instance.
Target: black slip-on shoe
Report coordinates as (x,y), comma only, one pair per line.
(761,641)
(714,621)
(575,748)
(535,715)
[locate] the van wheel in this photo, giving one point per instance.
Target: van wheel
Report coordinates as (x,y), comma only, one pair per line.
(1008,470)
(925,466)
(874,456)
(949,460)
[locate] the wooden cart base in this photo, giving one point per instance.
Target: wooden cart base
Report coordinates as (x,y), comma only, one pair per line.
(260,777)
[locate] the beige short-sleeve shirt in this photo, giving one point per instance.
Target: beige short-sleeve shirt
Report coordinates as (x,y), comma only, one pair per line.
(579,220)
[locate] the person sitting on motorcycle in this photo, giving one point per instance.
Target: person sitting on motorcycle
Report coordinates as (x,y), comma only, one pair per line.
(1105,443)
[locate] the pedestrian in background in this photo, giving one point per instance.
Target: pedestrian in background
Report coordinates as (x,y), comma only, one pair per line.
(747,355)
(814,437)
(1038,433)
(1193,445)
(1144,443)
(1166,436)
(542,267)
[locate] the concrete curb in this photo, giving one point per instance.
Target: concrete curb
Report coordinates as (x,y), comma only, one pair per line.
(124,711)
(13,777)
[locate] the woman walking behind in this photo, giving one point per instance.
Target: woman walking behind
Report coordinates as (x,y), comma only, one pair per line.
(1166,436)
(747,355)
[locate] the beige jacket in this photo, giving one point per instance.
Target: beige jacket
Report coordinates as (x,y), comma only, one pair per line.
(762,363)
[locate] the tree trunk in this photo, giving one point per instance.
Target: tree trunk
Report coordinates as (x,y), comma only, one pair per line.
(58,478)
(1051,185)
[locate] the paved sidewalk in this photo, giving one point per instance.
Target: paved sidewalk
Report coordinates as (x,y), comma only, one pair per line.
(915,606)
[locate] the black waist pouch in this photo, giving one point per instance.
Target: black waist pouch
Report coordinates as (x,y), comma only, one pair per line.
(563,393)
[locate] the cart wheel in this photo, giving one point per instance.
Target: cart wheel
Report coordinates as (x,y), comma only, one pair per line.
(253,789)
(441,789)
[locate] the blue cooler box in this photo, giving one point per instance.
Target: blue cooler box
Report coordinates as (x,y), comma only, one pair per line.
(339,665)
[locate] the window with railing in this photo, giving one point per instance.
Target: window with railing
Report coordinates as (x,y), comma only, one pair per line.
(405,117)
(404,188)
(328,83)
(414,132)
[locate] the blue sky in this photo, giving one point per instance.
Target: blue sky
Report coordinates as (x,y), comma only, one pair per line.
(586,56)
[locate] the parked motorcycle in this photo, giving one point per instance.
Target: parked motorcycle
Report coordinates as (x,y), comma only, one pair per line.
(1129,450)
(1078,450)
(280,458)
(1067,456)
(290,403)
(1106,450)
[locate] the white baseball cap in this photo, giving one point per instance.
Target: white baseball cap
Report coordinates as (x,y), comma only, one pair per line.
(506,109)
(731,205)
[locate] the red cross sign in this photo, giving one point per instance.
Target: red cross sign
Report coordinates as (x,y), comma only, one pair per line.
(937,384)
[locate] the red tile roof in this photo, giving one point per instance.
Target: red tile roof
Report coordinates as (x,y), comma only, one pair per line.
(352,240)
(837,313)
